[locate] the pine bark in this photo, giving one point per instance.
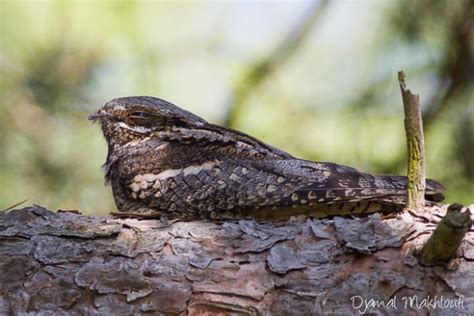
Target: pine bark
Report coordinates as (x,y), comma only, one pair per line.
(69,264)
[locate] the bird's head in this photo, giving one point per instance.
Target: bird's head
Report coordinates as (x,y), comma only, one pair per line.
(132,118)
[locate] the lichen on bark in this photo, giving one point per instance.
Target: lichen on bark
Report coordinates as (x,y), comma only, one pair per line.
(416,147)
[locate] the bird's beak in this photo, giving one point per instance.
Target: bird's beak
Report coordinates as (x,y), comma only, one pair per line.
(97,115)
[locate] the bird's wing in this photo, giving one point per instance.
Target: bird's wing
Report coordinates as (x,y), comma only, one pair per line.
(328,183)
(289,187)
(216,179)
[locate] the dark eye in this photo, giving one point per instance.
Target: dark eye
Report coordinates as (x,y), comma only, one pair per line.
(140,114)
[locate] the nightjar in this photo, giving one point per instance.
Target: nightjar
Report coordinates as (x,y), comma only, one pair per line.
(165,161)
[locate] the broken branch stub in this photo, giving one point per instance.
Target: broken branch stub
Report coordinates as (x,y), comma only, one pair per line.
(446,239)
(416,147)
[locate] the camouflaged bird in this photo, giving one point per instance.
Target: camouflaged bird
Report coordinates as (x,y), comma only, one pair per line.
(165,161)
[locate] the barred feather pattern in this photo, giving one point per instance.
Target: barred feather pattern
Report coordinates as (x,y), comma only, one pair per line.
(169,162)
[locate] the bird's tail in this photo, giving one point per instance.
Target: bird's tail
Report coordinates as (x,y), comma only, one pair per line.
(350,192)
(345,184)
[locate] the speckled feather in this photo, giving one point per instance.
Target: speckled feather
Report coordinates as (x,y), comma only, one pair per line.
(165,161)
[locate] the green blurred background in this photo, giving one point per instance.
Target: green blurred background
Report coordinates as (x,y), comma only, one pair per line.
(317,79)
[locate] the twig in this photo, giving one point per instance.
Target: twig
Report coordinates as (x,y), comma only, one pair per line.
(446,239)
(14,205)
(416,147)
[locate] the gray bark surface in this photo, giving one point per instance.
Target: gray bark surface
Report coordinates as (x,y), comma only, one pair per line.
(69,264)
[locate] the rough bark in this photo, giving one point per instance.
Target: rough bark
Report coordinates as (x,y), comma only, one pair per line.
(65,263)
(416,147)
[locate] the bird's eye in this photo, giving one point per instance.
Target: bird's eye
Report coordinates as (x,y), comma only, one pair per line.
(140,114)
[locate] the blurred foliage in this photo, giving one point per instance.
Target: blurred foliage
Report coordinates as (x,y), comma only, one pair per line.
(463,151)
(336,98)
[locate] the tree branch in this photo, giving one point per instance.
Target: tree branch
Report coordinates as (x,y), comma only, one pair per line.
(65,263)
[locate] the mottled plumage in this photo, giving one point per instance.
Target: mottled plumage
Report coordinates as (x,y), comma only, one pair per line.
(165,161)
